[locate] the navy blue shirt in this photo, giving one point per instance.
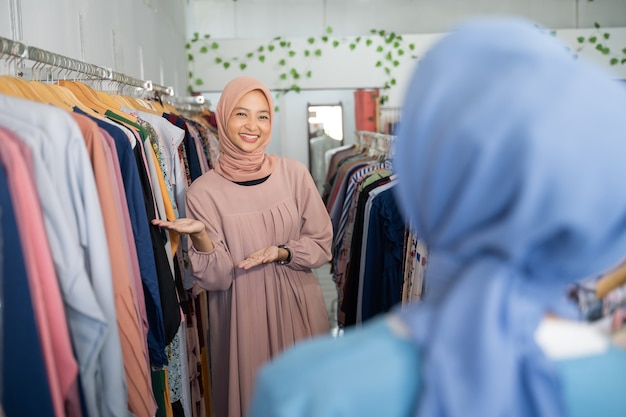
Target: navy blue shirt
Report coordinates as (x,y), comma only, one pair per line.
(383,273)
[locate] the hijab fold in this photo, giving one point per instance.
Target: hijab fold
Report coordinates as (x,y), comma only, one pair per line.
(510,161)
(233,163)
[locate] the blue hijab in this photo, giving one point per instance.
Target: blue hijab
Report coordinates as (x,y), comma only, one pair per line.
(511,162)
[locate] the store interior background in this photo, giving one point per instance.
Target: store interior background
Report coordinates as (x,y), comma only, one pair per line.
(152,39)
(147,39)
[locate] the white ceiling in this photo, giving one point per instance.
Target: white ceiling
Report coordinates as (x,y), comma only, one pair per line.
(244,19)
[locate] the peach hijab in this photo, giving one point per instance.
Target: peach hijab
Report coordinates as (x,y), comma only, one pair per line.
(233,163)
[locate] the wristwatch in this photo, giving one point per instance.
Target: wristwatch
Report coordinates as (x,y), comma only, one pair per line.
(286,261)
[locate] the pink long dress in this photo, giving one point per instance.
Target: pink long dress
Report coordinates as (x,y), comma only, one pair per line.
(255,314)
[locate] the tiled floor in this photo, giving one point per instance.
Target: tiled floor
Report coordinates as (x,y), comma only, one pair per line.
(324,276)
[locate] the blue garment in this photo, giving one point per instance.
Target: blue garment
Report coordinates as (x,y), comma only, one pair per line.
(372,371)
(382,275)
(24,375)
(369,372)
(510,163)
(357,174)
(349,304)
(603,376)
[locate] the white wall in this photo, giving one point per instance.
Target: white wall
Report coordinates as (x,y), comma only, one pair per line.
(339,71)
(242,26)
(339,67)
(336,68)
(140,38)
(262,19)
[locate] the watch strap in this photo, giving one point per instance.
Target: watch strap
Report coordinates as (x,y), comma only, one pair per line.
(285,261)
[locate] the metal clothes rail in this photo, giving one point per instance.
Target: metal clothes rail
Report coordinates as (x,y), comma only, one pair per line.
(24,52)
(189,103)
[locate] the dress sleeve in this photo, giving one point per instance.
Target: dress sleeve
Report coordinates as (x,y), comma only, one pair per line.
(214,270)
(312,248)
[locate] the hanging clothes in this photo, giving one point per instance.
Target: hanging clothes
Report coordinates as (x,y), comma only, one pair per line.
(380,274)
(372,272)
(79,245)
(124,269)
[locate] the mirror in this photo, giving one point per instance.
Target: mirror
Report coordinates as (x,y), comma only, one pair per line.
(325,128)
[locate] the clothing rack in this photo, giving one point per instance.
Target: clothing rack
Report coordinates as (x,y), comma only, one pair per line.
(189,103)
(22,51)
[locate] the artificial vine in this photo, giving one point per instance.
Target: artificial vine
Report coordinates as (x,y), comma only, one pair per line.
(599,38)
(389,46)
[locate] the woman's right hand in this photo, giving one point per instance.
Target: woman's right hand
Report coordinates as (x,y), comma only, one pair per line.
(194,228)
(181,226)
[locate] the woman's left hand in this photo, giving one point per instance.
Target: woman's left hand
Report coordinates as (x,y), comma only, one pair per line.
(262,256)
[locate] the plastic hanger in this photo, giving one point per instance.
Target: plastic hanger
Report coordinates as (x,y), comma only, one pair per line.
(54,93)
(9,88)
(10,85)
(136,104)
(71,98)
(148,106)
(32,90)
(157,106)
(83,93)
(46,93)
(106,99)
(39,90)
(169,108)
(89,97)
(21,87)
(611,281)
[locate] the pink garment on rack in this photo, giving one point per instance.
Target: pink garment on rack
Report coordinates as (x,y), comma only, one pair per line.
(61,365)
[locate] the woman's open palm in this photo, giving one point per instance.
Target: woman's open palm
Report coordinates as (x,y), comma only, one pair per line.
(181,226)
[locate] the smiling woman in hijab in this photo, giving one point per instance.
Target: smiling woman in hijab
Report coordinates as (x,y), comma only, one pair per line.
(511,166)
(258,226)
